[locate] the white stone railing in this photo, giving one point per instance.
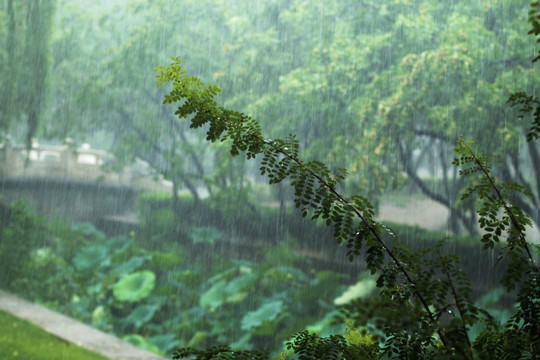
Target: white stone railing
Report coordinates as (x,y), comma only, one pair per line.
(70,162)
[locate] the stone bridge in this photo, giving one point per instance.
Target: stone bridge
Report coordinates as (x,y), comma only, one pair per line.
(72,182)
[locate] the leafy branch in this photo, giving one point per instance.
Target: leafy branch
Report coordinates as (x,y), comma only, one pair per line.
(494,197)
(530,103)
(315,194)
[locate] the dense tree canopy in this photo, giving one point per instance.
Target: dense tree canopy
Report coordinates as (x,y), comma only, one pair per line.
(382,88)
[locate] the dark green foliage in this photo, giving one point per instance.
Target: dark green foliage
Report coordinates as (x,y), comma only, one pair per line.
(525,102)
(528,104)
(220,353)
(310,346)
(495,200)
(520,337)
(534,21)
(315,191)
(20,234)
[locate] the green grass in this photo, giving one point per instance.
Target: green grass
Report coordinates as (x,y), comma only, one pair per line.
(22,340)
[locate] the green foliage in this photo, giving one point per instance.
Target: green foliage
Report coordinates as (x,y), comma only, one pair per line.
(91,257)
(141,315)
(220,353)
(495,200)
(527,104)
(134,287)
(519,338)
(205,234)
(393,73)
(534,21)
(19,237)
(172,298)
(354,345)
(141,342)
(425,308)
(266,313)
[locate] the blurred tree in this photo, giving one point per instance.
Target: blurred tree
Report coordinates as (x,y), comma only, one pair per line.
(25,62)
(408,78)
(456,85)
(358,81)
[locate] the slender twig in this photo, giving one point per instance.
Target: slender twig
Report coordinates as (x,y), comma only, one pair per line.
(458,304)
(506,207)
(342,199)
(198,105)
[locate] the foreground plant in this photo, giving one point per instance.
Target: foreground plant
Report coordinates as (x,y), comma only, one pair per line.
(425,309)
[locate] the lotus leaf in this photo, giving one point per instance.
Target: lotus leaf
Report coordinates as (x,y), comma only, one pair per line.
(166,342)
(189,277)
(215,296)
(88,230)
(267,312)
(197,339)
(135,286)
(165,260)
(142,343)
(295,273)
(141,315)
(243,342)
(205,234)
(240,283)
(224,275)
(224,291)
(99,315)
(364,287)
(327,325)
(131,265)
(118,244)
(91,257)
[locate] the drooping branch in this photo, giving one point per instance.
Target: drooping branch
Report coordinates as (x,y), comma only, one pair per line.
(458,302)
(197,101)
(506,206)
(364,220)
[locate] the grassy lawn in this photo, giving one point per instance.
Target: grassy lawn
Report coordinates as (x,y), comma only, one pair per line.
(22,340)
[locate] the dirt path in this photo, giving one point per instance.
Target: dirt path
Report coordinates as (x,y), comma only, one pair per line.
(73,331)
(425,213)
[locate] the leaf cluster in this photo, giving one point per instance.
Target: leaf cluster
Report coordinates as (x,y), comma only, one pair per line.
(354,345)
(534,21)
(420,283)
(425,307)
(314,184)
(220,353)
(497,216)
(526,105)
(198,104)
